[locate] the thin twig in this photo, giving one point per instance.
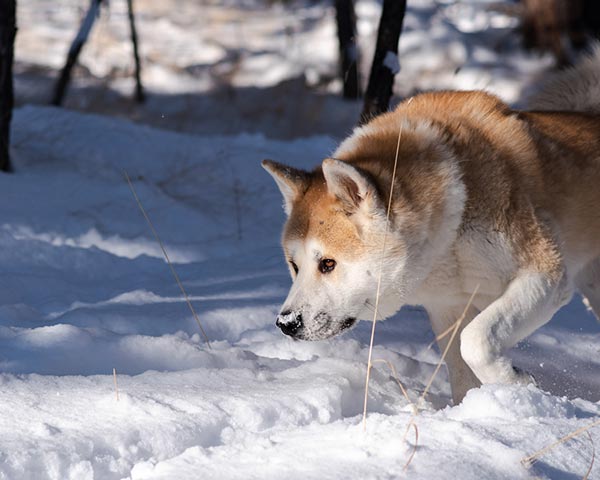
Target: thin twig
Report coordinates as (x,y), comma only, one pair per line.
(412,422)
(527,461)
(442,335)
(414,408)
(116,384)
(387,225)
(414,450)
(587,475)
(187,299)
(395,375)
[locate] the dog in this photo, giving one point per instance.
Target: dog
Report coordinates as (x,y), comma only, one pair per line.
(486,200)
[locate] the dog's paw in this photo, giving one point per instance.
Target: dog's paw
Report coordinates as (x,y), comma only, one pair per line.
(523,377)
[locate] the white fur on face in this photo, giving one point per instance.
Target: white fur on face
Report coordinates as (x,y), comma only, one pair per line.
(313,294)
(330,303)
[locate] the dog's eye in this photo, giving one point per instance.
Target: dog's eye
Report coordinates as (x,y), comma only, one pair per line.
(294,267)
(326,265)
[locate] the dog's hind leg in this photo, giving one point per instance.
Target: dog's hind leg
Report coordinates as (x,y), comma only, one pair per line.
(588,284)
(462,378)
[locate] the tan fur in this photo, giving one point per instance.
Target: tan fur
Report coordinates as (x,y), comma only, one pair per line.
(319,213)
(514,164)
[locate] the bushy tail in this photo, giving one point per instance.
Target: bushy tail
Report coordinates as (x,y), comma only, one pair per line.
(576,89)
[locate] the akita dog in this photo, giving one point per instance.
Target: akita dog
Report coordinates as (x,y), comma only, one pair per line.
(484,195)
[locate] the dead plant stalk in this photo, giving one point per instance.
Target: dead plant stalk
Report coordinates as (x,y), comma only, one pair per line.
(116,384)
(385,235)
(531,459)
(164,251)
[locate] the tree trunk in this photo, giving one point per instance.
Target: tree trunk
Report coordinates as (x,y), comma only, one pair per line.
(558,25)
(544,24)
(346,27)
(385,62)
(139,91)
(591,17)
(74,51)
(8,30)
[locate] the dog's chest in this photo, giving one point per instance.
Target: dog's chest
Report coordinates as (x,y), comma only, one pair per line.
(479,261)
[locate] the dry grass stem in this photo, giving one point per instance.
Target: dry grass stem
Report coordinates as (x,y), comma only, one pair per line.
(589,471)
(442,335)
(455,330)
(116,384)
(414,450)
(164,251)
(387,226)
(395,375)
(531,459)
(414,408)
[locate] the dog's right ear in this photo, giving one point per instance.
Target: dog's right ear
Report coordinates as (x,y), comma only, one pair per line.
(291,181)
(351,186)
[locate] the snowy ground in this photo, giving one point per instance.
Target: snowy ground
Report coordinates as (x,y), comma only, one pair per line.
(84,288)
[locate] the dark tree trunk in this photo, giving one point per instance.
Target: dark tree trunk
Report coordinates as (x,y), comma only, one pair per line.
(74,51)
(8,30)
(558,25)
(346,27)
(385,62)
(591,17)
(545,22)
(139,91)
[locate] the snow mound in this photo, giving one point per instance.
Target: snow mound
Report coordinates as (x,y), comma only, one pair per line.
(511,403)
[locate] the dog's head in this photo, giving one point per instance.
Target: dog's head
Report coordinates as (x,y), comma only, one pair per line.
(333,242)
(343,253)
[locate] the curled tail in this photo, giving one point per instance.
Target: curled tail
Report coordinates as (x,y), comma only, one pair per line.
(576,89)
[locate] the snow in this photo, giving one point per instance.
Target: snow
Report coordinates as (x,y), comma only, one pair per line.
(391,62)
(84,287)
(85,290)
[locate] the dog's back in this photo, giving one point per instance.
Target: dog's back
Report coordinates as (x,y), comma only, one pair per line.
(550,154)
(576,89)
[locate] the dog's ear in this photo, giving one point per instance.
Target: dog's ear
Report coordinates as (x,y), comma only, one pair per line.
(291,181)
(351,186)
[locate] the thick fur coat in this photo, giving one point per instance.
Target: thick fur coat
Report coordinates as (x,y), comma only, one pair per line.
(485,199)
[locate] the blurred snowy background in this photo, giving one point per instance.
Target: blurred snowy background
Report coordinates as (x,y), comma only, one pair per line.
(255,66)
(84,288)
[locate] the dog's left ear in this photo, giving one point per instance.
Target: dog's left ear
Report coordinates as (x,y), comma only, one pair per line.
(291,181)
(351,186)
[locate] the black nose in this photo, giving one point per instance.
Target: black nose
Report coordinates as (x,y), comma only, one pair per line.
(289,322)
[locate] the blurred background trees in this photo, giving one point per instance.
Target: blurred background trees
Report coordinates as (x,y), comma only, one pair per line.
(346,28)
(79,41)
(385,63)
(277,67)
(8,31)
(559,26)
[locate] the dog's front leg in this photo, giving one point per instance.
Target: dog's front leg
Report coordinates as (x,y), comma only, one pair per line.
(528,303)
(460,375)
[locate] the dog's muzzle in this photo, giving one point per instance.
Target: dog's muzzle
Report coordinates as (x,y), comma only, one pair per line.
(289,322)
(348,323)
